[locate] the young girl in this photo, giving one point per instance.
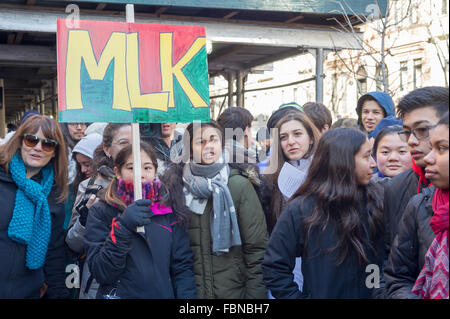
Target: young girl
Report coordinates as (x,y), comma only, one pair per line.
(227,228)
(128,264)
(334,222)
(391,153)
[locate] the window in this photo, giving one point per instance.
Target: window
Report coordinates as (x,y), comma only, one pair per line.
(361,82)
(403,76)
(417,78)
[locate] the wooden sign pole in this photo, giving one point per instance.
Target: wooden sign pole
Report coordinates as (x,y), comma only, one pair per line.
(136,141)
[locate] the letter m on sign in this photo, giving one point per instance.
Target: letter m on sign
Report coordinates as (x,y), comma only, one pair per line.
(132,72)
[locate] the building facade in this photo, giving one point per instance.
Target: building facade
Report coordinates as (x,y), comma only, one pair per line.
(414,38)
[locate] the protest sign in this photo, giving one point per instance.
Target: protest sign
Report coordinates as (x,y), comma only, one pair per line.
(132,73)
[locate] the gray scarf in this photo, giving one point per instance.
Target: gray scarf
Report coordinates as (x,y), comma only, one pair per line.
(204,181)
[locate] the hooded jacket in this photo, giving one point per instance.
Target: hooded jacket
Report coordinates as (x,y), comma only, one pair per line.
(383,99)
(16,280)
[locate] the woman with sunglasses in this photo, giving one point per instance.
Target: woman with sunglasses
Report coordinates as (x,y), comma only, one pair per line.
(33,184)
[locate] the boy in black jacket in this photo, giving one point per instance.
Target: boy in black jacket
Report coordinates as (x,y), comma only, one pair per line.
(420,111)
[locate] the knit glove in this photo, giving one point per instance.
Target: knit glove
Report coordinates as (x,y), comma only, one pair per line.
(137,214)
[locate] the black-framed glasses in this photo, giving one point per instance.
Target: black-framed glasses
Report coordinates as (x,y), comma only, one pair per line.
(32,140)
(419,133)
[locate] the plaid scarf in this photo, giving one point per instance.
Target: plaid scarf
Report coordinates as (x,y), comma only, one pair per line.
(432,282)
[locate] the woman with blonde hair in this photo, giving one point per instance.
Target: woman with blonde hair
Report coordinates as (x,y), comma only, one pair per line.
(33,184)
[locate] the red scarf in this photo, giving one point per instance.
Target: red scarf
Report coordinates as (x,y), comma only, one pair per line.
(421,174)
(432,282)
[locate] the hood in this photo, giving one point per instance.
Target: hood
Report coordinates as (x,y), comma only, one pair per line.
(383,99)
(387,121)
(88,144)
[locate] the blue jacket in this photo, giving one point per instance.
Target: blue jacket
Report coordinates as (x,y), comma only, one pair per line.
(16,280)
(157,264)
(383,99)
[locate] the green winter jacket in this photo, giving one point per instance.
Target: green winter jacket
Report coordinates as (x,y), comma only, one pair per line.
(238,273)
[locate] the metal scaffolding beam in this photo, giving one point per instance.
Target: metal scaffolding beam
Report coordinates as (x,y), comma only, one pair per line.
(45,21)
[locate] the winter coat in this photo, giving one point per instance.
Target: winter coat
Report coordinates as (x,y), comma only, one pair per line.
(397,193)
(322,277)
(16,280)
(157,264)
(413,240)
(236,274)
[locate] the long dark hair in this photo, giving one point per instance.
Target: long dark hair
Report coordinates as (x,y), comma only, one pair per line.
(338,198)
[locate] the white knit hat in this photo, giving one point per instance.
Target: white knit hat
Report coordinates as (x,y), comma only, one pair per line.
(88,144)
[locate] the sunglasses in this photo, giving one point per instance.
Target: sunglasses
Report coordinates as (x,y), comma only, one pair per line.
(48,144)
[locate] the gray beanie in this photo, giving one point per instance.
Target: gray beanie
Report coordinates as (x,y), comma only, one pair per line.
(88,144)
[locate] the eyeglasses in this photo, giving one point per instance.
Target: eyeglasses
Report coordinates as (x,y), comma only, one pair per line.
(419,133)
(48,144)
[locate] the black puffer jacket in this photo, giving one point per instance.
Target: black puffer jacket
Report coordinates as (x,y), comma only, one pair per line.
(397,193)
(407,255)
(16,280)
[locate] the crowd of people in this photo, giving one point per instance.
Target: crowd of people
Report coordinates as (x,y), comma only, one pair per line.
(310,209)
